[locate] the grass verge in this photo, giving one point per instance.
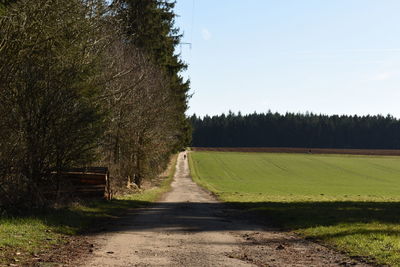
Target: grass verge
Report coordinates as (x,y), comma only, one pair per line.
(24,238)
(359,219)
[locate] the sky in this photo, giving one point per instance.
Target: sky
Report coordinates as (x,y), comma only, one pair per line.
(329,57)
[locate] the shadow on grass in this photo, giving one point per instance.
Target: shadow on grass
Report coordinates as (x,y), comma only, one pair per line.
(300,215)
(81,218)
(198,217)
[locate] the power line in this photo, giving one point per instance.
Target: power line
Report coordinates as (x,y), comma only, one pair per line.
(190,44)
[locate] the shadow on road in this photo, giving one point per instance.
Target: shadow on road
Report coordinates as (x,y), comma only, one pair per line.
(197,217)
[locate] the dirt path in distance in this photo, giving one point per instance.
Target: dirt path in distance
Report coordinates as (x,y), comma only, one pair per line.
(189,227)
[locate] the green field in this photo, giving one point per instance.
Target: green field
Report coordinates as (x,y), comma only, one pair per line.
(349,201)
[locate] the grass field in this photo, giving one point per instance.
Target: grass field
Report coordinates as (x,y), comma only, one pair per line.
(348,201)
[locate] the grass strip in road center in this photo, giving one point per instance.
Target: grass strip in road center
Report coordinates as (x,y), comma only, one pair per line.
(350,202)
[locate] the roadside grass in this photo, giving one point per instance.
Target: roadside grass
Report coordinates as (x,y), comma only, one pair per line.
(351,203)
(23,237)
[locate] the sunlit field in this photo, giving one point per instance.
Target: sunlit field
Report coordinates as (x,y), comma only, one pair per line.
(348,201)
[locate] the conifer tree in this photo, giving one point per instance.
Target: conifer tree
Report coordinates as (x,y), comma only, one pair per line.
(149,25)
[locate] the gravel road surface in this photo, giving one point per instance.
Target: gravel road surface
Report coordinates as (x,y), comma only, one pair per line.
(189,227)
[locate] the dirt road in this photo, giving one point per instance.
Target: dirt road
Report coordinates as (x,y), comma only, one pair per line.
(188,227)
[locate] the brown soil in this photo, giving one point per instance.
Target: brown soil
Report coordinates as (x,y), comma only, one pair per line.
(63,254)
(382,152)
(189,227)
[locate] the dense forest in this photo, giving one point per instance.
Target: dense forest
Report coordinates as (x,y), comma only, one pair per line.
(296,130)
(87,83)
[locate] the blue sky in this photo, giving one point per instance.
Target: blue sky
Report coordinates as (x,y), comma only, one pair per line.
(331,57)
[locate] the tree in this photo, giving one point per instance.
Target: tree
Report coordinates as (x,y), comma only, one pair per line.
(147,121)
(83,82)
(296,130)
(139,124)
(47,71)
(149,25)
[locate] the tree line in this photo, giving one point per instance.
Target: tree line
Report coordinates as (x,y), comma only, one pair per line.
(296,130)
(87,82)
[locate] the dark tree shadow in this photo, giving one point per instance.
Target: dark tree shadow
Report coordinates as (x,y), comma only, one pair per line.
(297,215)
(121,215)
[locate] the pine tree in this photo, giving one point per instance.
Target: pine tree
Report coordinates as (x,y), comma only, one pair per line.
(149,25)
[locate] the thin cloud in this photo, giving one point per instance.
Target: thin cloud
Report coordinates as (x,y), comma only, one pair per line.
(371,50)
(361,50)
(340,52)
(384,76)
(205,33)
